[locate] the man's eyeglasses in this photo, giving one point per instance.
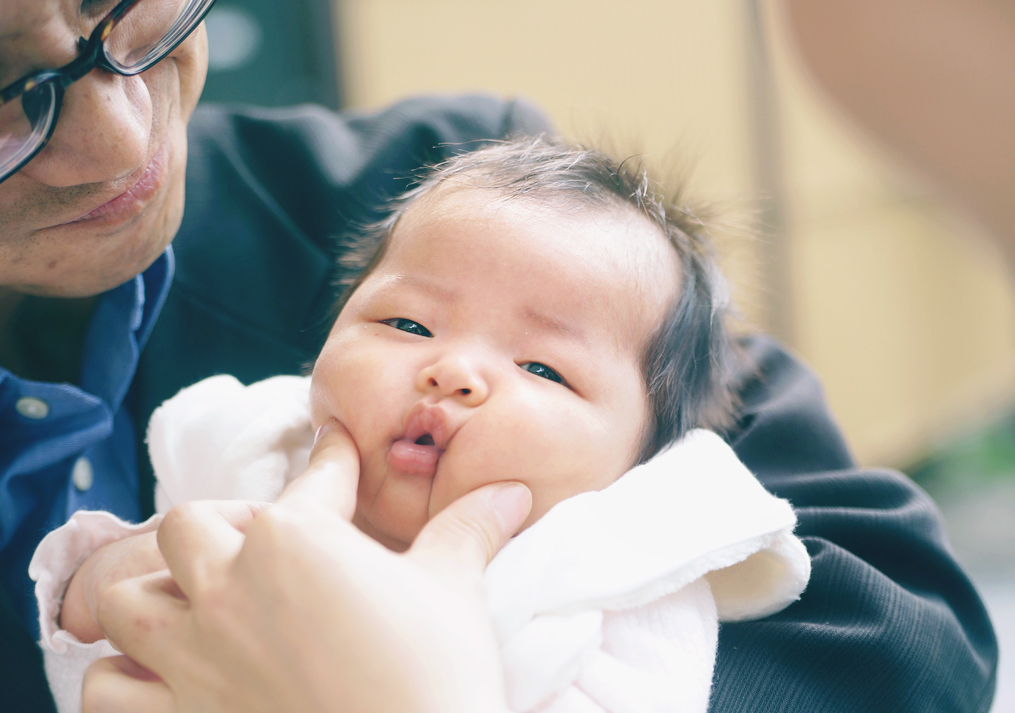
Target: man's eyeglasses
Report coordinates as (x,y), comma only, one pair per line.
(135,35)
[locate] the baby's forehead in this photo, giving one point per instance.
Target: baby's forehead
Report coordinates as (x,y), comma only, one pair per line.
(565,240)
(629,231)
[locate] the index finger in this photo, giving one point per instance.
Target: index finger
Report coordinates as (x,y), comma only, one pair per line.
(332,477)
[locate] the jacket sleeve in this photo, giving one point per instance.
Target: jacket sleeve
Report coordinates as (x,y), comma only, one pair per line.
(889,622)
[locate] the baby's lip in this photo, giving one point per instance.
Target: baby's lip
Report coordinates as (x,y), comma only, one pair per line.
(413,454)
(428,419)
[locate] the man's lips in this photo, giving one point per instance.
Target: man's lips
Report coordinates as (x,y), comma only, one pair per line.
(135,198)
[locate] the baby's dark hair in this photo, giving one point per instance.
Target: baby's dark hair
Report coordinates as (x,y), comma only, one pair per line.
(688,362)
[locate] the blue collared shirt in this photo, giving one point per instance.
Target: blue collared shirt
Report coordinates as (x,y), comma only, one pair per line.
(64,448)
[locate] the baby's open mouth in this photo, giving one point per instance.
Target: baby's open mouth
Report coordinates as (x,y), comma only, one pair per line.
(418,457)
(426,435)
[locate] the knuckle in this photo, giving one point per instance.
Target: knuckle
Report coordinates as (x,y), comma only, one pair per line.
(179,516)
(111,599)
(93,696)
(267,536)
(277,524)
(486,539)
(271,524)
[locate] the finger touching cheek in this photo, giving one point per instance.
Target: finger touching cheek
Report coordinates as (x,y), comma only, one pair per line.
(330,481)
(466,535)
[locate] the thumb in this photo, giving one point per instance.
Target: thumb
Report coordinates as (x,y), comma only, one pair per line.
(470,531)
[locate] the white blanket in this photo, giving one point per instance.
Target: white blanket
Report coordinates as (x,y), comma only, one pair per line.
(610,602)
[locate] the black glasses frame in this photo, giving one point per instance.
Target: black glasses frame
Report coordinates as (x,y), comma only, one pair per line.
(93,55)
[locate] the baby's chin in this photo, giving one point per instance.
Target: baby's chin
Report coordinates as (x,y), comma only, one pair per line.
(397,533)
(394,532)
(402,507)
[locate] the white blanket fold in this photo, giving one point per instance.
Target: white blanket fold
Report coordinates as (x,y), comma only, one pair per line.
(610,602)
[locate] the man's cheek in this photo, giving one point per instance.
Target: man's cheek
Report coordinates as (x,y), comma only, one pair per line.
(191,59)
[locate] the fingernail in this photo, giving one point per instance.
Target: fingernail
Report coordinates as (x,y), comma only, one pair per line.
(512,502)
(325,428)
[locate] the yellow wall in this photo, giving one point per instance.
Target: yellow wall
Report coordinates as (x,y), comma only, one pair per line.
(911,329)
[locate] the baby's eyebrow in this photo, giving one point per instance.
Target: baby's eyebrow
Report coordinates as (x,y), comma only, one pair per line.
(566,328)
(423,285)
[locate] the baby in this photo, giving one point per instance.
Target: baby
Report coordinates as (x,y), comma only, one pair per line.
(531,311)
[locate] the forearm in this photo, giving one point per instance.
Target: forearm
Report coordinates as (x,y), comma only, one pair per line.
(888,621)
(886,624)
(935,79)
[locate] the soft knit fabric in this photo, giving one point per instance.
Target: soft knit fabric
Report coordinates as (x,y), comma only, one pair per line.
(56,559)
(610,602)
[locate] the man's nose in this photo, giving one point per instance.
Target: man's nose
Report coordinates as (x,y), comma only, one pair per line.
(102,133)
(456,374)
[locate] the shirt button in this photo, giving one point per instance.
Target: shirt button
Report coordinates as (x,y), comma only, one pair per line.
(82,476)
(31,407)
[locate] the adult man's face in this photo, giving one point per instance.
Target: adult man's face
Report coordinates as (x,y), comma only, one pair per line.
(105,196)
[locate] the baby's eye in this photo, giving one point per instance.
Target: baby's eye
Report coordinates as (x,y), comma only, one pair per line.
(534,367)
(407,325)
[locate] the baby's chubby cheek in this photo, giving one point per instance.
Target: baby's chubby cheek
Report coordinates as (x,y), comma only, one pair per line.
(334,386)
(320,408)
(553,469)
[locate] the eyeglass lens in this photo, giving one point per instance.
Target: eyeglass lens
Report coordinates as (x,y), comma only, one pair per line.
(25,122)
(151,29)
(142,37)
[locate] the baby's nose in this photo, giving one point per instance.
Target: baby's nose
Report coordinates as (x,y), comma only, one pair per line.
(455,376)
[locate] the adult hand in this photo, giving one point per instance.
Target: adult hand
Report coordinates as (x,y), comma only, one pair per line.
(306,613)
(112,563)
(130,557)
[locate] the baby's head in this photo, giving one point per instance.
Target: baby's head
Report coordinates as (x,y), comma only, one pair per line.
(531,311)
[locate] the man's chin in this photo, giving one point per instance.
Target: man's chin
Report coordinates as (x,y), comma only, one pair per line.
(87,281)
(79,273)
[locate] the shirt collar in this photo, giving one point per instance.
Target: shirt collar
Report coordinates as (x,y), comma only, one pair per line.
(120,327)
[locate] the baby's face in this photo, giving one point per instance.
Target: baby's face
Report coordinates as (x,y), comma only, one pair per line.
(496,340)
